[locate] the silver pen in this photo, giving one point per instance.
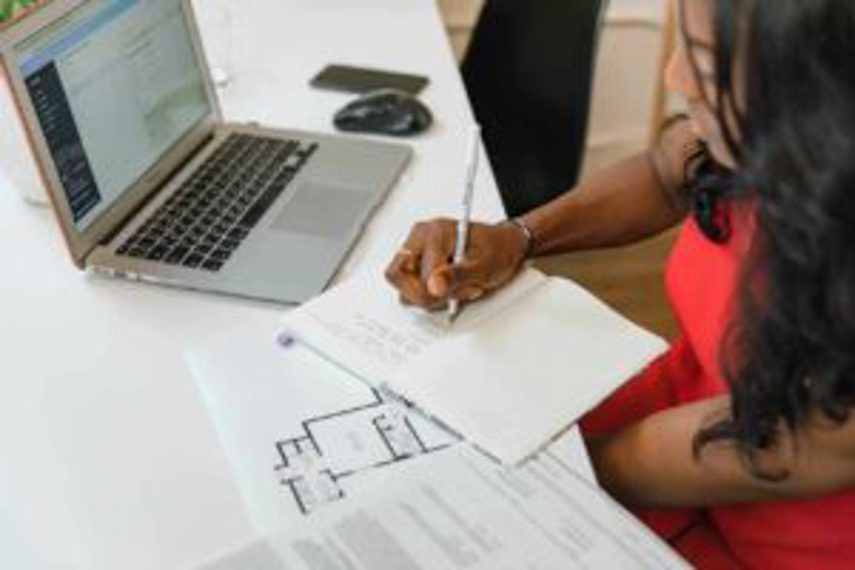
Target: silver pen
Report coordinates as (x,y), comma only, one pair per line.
(472,157)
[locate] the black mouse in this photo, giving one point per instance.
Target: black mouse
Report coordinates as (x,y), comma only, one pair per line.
(386,112)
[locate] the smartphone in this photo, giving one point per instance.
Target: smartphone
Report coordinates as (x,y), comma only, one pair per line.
(361,80)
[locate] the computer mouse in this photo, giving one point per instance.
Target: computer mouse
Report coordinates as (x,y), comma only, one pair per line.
(385,112)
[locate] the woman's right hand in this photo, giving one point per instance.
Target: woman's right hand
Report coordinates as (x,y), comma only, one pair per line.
(423,273)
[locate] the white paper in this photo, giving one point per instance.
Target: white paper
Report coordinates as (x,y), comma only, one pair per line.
(529,373)
(463,512)
(511,374)
(299,432)
(263,400)
(362,325)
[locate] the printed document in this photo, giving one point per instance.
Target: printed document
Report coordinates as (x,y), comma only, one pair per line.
(464,512)
(302,435)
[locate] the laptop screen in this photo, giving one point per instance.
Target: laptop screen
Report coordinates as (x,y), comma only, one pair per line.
(114,85)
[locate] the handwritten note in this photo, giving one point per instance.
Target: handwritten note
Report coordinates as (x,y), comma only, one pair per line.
(379,341)
(363,323)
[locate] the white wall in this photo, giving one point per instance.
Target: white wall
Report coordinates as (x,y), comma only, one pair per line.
(626,81)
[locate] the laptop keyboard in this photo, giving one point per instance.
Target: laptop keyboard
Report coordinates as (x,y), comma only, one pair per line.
(203,223)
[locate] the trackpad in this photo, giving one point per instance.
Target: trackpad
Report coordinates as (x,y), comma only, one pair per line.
(322,210)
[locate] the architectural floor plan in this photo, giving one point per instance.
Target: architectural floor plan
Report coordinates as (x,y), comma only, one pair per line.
(301,434)
(348,442)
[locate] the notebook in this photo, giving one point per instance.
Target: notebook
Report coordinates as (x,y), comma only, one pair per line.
(511,374)
(146,179)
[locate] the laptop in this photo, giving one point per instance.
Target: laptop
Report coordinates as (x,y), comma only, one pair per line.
(149,183)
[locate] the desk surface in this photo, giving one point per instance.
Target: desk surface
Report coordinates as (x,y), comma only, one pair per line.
(108,457)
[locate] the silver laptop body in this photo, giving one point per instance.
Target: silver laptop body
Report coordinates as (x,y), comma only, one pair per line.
(122,116)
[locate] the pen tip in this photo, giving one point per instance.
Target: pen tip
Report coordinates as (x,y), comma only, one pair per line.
(451,314)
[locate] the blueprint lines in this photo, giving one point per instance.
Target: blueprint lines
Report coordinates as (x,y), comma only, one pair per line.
(348,442)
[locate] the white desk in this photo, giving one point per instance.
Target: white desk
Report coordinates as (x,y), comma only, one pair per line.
(107,457)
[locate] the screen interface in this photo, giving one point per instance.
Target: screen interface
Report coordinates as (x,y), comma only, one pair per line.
(114,85)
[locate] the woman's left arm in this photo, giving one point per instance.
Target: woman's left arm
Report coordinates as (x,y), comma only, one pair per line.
(651,463)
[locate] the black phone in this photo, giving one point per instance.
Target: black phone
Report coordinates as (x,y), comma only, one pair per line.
(361,80)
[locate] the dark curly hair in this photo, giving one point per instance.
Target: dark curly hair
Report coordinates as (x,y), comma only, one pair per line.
(790,350)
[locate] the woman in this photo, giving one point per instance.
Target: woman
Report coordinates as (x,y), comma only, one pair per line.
(738,444)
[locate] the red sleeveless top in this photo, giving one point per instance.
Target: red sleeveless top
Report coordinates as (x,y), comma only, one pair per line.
(701,280)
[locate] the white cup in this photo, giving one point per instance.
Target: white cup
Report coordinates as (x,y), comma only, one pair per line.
(16,159)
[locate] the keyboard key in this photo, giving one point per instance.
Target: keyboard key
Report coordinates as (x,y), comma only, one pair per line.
(229,244)
(251,217)
(203,249)
(157,253)
(237,233)
(193,260)
(175,256)
(212,265)
(220,255)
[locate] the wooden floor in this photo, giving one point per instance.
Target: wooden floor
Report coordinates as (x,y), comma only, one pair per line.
(629,279)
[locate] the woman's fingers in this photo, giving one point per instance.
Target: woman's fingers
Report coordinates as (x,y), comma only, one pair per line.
(434,263)
(400,267)
(403,274)
(471,272)
(423,274)
(409,270)
(469,293)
